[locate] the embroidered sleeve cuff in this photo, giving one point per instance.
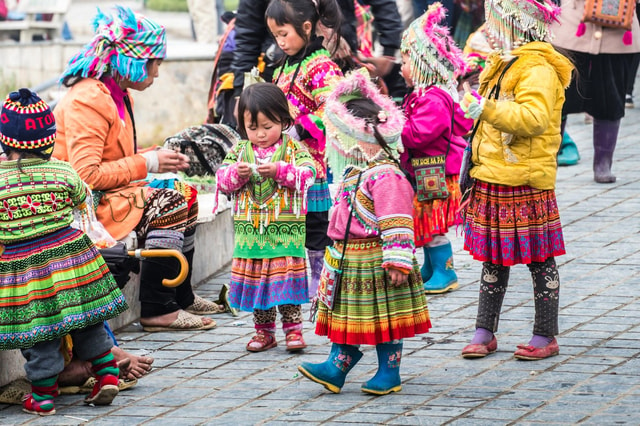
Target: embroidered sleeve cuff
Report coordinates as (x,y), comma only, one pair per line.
(228,180)
(293,177)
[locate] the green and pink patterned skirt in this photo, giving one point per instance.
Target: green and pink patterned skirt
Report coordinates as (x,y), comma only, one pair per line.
(52,285)
(510,225)
(368,310)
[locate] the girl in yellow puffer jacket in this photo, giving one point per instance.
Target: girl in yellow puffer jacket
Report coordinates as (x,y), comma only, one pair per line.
(512,216)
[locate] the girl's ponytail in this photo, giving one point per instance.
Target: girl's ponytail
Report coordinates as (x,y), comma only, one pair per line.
(330,16)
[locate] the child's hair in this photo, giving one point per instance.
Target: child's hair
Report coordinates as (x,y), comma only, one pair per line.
(296,12)
(266,98)
(23,154)
(370,112)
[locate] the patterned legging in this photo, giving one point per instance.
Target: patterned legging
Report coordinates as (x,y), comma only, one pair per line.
(546,291)
(266,319)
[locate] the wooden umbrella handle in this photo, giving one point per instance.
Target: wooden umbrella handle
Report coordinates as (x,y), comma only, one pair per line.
(184,265)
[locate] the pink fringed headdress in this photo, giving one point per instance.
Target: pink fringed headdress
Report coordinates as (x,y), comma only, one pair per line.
(511,23)
(434,55)
(350,139)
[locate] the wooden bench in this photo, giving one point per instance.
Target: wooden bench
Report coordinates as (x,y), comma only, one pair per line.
(32,24)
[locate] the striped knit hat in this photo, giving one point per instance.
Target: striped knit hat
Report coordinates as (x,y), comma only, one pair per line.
(27,123)
(122,44)
(511,23)
(434,56)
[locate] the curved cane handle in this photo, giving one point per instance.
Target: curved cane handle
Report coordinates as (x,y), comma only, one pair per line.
(184,265)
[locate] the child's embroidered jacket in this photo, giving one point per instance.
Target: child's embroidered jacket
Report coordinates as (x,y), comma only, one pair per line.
(38,200)
(269,214)
(307,95)
(383,208)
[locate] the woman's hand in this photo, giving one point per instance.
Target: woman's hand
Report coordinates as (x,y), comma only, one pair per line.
(397,277)
(171,161)
(244,170)
(268,170)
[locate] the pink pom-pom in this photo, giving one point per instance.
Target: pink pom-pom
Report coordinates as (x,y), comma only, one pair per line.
(582,28)
(627,38)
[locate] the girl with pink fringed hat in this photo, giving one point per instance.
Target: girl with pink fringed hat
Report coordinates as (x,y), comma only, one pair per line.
(435,126)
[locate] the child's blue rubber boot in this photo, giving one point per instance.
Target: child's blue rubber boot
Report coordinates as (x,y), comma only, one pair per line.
(387,378)
(444,277)
(332,373)
(568,154)
(426,271)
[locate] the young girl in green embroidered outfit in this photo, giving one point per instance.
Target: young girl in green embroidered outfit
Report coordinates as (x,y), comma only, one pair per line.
(53,281)
(268,173)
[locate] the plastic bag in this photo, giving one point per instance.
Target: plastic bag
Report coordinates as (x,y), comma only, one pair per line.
(84,219)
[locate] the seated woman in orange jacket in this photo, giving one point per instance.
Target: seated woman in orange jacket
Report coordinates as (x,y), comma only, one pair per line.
(96,134)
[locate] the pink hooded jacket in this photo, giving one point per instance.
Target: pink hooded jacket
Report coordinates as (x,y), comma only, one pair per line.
(428,127)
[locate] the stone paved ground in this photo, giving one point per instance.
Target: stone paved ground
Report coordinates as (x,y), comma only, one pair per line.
(209,378)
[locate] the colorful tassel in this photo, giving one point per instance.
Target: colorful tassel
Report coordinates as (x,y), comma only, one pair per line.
(582,28)
(627,38)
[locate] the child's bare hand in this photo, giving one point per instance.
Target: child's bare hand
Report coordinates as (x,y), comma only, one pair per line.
(268,170)
(397,277)
(244,171)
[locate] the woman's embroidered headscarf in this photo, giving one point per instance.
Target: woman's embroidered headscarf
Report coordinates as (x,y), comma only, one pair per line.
(350,139)
(123,41)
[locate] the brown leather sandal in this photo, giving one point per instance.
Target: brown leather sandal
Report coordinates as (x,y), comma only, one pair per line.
(262,341)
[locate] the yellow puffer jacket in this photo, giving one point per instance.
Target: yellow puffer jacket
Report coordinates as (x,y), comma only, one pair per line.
(518,136)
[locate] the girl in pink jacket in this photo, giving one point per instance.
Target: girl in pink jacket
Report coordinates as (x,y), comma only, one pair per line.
(435,126)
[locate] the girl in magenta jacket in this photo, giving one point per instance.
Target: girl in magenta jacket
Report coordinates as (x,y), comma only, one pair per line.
(435,126)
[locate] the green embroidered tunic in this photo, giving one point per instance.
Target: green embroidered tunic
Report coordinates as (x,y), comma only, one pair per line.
(269,214)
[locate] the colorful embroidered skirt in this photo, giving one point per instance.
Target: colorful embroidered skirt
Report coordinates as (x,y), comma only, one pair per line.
(509,225)
(318,196)
(435,217)
(367,310)
(52,285)
(264,283)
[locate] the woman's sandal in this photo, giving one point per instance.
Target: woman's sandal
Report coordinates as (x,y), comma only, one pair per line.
(184,322)
(202,306)
(295,342)
(262,341)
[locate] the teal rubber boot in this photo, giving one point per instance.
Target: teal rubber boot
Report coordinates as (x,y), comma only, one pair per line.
(426,271)
(332,373)
(387,378)
(444,277)
(568,154)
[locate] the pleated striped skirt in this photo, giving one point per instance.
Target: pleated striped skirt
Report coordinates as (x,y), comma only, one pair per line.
(368,309)
(435,217)
(264,283)
(509,225)
(52,285)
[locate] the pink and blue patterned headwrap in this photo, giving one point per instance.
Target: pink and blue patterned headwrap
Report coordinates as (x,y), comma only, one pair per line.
(122,44)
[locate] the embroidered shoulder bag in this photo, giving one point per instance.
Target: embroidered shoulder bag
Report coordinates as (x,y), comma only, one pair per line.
(429,172)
